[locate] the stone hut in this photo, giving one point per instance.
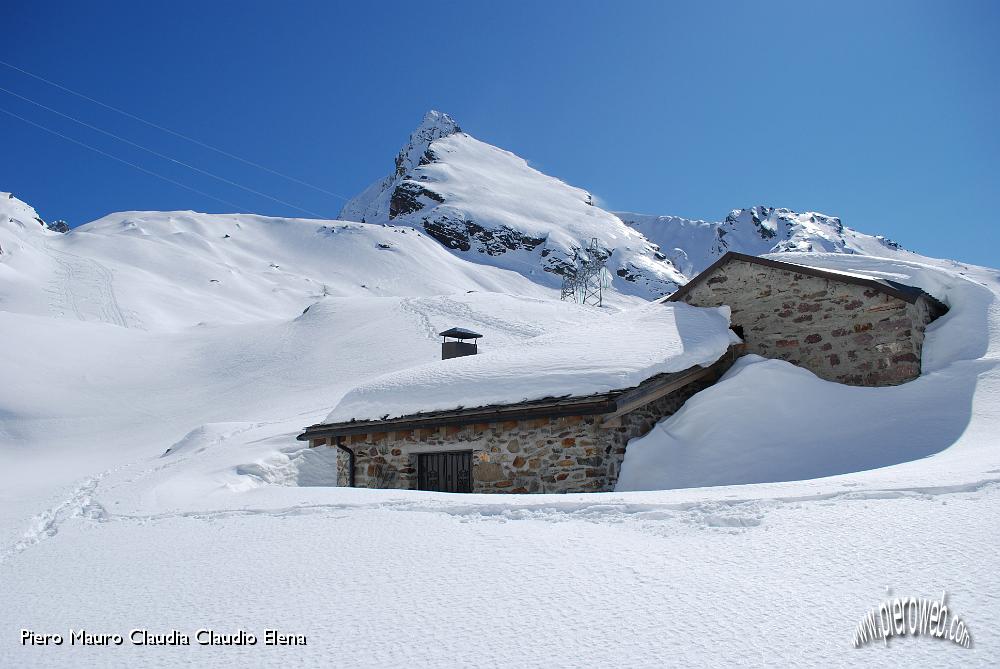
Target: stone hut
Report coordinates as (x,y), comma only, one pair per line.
(551,414)
(844,327)
(551,445)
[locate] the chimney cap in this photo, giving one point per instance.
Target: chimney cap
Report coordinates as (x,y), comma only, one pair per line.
(460,333)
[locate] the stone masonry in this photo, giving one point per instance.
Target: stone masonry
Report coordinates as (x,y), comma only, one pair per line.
(840,331)
(551,455)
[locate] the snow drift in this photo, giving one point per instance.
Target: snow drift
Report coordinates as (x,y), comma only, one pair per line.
(767,420)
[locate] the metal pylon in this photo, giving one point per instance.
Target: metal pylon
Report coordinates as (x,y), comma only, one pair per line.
(585,281)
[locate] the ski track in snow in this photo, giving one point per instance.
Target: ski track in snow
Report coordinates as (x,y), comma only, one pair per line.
(464,312)
(452,310)
(86,288)
(724,514)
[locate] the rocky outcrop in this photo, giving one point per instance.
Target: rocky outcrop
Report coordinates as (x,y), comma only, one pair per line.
(409,197)
(469,236)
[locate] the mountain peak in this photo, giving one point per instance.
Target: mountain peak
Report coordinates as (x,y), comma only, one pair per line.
(435,125)
(437,122)
(372,204)
(480,200)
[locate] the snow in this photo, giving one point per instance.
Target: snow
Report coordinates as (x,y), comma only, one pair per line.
(633,582)
(612,352)
(150,476)
(19,216)
(873,427)
(237,268)
(519,196)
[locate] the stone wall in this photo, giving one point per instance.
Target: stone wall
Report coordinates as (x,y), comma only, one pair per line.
(840,331)
(551,455)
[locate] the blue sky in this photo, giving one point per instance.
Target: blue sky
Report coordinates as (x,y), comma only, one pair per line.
(883,113)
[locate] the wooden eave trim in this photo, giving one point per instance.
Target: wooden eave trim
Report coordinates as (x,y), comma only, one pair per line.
(588,407)
(663,386)
(635,400)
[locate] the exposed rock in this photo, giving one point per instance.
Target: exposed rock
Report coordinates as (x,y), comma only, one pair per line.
(406,199)
(467,235)
(58,226)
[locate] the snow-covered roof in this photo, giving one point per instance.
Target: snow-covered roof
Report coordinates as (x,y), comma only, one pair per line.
(618,351)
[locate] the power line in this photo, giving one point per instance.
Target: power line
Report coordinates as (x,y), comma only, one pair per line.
(235,206)
(175,133)
(161,155)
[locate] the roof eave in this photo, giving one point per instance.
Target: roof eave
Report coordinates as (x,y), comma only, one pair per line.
(589,406)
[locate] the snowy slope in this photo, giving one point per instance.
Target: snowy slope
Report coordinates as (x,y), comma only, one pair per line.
(693,245)
(489,205)
(124,344)
(18,216)
(169,270)
(23,235)
(113,393)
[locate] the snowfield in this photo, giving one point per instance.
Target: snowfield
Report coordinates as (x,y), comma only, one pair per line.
(150,477)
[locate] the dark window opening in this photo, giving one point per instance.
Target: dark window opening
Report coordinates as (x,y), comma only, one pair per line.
(445,472)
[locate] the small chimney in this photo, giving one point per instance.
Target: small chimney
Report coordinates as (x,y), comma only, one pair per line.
(460,346)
